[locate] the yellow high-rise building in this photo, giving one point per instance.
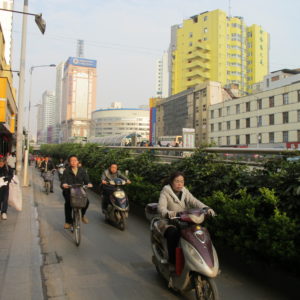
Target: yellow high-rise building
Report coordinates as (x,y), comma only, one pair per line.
(213,46)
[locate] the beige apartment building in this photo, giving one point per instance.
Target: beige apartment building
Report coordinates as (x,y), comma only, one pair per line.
(267,119)
(189,109)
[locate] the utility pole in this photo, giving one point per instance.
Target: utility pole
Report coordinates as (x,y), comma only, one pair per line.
(19,147)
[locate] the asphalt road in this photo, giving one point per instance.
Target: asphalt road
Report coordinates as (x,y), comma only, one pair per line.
(111,264)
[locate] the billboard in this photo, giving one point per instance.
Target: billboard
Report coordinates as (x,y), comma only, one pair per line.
(81,62)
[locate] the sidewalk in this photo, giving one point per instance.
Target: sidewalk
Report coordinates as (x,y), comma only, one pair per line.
(20,257)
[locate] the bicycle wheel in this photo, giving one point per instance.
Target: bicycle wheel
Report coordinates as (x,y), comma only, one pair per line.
(76,225)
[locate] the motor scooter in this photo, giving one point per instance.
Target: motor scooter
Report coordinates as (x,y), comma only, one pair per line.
(118,204)
(197,262)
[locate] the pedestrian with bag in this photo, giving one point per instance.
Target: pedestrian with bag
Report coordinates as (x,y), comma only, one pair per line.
(6,175)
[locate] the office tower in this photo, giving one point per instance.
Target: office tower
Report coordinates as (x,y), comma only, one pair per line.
(162,76)
(79,98)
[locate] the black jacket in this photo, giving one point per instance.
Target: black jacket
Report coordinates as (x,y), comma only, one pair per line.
(69,177)
(6,172)
(50,165)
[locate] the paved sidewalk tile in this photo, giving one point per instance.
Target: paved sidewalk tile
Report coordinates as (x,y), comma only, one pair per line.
(20,258)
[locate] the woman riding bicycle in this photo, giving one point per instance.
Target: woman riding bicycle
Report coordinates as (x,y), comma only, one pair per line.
(73,175)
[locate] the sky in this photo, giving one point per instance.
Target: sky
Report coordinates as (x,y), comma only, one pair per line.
(126,37)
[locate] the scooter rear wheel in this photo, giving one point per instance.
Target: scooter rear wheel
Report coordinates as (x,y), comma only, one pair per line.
(205,288)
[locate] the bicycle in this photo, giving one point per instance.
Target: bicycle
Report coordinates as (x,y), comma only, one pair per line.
(48,177)
(78,201)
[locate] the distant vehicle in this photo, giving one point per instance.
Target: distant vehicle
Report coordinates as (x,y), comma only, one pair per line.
(170,140)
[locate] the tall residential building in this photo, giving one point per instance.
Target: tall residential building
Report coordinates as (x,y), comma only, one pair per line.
(79,98)
(46,118)
(162,84)
(6,21)
(213,46)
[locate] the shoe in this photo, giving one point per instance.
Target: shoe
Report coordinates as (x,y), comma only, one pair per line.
(85,220)
(67,226)
(4,216)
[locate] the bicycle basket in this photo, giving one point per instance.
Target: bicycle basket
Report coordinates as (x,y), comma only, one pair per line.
(48,176)
(78,197)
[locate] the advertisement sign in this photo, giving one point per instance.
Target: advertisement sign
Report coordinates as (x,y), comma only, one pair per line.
(81,62)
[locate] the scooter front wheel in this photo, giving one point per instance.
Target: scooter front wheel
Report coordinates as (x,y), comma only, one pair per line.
(205,288)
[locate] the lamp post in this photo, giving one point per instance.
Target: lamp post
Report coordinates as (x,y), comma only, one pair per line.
(42,26)
(25,177)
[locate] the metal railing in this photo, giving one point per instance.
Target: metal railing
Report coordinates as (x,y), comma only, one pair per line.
(243,156)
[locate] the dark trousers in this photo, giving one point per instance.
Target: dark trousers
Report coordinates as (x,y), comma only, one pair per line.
(51,185)
(4,198)
(68,207)
(172,234)
(106,191)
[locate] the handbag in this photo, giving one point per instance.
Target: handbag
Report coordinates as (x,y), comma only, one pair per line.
(15,194)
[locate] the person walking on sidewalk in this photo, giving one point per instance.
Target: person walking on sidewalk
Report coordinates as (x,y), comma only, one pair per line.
(73,175)
(6,175)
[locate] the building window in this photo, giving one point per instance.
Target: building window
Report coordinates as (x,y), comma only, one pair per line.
(248,106)
(271,119)
(204,122)
(259,121)
(248,123)
(228,110)
(247,139)
(220,126)
(271,137)
(285,98)
(191,34)
(298,115)
(298,135)
(228,140)
(285,117)
(212,114)
(259,103)
(237,108)
(204,107)
(205,18)
(220,112)
(190,44)
(228,125)
(219,140)
(205,30)
(237,139)
(285,136)
(271,101)
(237,124)
(298,95)
(212,127)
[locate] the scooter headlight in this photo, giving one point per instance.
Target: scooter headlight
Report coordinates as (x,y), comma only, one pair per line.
(119,194)
(194,253)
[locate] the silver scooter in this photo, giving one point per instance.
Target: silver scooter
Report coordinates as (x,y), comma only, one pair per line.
(197,262)
(118,206)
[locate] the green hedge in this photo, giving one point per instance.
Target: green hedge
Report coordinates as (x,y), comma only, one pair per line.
(258,210)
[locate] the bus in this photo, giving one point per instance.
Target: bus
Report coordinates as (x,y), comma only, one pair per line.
(170,140)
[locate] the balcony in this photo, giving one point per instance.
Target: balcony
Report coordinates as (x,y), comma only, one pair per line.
(198,64)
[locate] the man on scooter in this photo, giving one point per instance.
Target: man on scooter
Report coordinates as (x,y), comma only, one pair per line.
(109,175)
(175,198)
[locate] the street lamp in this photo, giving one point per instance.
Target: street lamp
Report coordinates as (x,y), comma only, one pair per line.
(25,177)
(42,26)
